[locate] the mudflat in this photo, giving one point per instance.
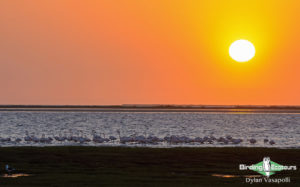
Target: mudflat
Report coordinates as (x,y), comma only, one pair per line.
(127,166)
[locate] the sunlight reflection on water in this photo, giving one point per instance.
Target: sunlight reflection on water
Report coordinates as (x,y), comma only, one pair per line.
(235,176)
(15,175)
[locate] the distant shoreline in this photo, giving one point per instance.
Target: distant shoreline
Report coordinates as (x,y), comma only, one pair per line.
(155,108)
(162,106)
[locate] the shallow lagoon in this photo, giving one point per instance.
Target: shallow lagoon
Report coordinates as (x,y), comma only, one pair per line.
(283,128)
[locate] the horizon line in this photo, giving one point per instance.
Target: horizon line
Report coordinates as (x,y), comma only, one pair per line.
(145,106)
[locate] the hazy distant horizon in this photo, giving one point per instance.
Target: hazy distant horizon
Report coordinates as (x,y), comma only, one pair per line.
(154,106)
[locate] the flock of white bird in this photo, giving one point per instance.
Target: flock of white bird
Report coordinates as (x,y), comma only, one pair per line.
(133,139)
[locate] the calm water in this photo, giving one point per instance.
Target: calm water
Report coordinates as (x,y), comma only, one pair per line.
(284,129)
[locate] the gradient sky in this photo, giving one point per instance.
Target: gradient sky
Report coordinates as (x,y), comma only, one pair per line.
(148,52)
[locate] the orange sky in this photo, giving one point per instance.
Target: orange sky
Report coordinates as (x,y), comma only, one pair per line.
(148,51)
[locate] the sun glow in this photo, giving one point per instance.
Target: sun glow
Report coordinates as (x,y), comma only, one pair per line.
(242,50)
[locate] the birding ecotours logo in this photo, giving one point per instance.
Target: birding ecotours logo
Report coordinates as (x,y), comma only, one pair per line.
(266,167)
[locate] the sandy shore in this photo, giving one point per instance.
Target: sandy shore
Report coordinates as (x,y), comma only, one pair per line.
(121,166)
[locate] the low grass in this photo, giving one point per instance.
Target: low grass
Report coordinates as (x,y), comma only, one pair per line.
(124,166)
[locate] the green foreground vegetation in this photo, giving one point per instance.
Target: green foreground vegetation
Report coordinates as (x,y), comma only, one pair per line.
(123,166)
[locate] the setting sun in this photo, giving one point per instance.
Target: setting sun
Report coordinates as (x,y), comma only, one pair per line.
(241,50)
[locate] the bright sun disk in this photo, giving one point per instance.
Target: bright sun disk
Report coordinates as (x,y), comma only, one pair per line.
(242,50)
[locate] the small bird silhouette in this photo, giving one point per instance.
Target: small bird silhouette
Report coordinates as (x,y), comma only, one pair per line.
(9,169)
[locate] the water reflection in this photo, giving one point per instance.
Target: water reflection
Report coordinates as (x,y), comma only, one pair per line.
(235,176)
(15,175)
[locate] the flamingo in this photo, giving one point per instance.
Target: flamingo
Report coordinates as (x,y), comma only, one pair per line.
(225,141)
(76,138)
(198,139)
(56,137)
(272,142)
(221,139)
(153,139)
(123,140)
(174,139)
(105,139)
(210,140)
(184,139)
(27,138)
(229,137)
(70,137)
(212,137)
(43,139)
(48,140)
(252,141)
(167,138)
(142,139)
(96,138)
(65,136)
(59,138)
(18,140)
(81,139)
(86,139)
(205,138)
(236,141)
(5,139)
(112,138)
(35,139)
